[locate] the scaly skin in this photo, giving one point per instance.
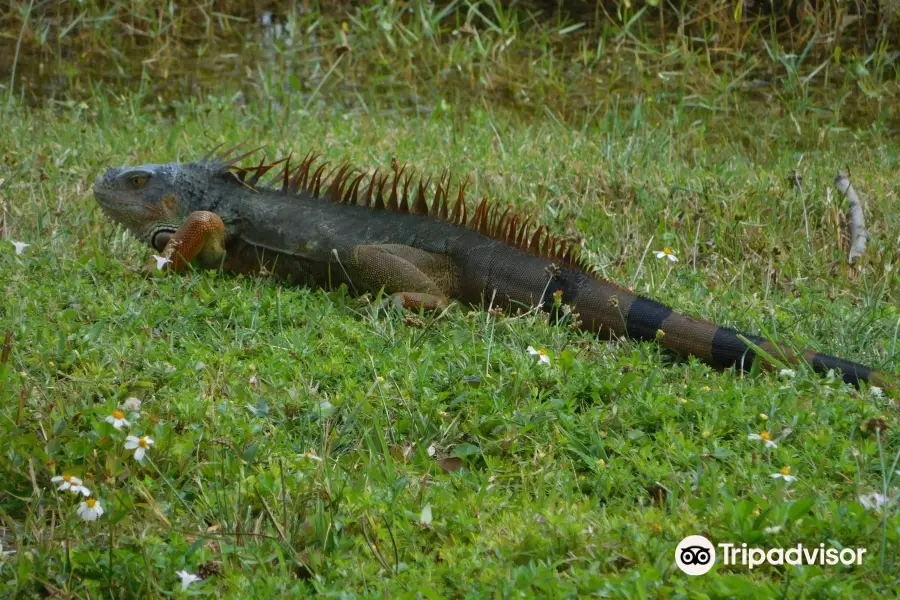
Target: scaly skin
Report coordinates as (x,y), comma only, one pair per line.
(326,233)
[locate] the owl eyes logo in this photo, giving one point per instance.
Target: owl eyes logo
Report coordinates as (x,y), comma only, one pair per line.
(695,555)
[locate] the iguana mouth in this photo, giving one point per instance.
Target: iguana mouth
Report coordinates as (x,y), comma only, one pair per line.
(107,201)
(118,209)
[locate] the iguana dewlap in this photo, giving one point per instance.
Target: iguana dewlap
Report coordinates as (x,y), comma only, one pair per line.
(379,232)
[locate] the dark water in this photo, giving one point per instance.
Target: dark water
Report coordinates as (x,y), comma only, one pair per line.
(274,61)
(160,70)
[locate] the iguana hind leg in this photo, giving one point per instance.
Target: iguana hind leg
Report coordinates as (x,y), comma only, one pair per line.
(200,237)
(414,278)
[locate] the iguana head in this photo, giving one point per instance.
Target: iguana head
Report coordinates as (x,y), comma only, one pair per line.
(150,200)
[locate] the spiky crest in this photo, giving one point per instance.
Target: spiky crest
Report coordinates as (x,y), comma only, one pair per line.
(342,185)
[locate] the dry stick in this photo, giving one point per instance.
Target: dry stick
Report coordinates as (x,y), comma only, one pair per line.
(7,347)
(857,221)
(796,179)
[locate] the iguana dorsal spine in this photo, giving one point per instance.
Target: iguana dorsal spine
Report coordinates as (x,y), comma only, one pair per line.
(341,187)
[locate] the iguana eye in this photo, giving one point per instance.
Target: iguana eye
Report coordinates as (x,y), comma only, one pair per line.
(137,181)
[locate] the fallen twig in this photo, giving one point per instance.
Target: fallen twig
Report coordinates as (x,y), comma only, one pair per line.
(855,217)
(7,347)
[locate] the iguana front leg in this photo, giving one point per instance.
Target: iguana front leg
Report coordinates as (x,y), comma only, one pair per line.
(201,237)
(414,278)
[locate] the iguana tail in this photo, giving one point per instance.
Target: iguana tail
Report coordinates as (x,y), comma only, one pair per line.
(607,308)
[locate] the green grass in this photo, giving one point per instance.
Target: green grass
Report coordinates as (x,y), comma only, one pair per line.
(240,377)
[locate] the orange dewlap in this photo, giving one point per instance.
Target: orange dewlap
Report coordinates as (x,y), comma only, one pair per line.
(202,235)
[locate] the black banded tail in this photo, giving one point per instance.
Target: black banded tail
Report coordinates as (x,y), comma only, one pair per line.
(723,347)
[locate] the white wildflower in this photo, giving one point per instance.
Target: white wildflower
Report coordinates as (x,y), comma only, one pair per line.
(666,253)
(20,246)
(764,437)
(161,261)
(132,405)
(784,473)
(73,484)
(140,445)
(425,517)
(544,358)
(117,419)
(187,579)
(90,509)
(874,501)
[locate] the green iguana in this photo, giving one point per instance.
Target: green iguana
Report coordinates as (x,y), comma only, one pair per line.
(375,233)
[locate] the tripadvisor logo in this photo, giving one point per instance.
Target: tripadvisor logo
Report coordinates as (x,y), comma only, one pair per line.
(695,555)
